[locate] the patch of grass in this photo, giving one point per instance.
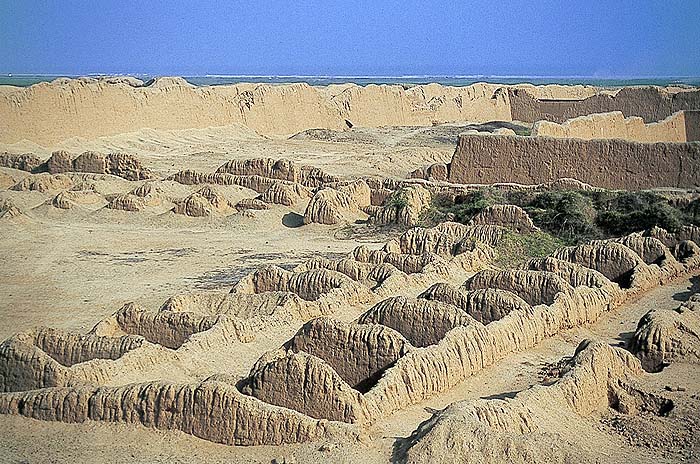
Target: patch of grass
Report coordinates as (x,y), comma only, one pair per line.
(577,216)
(515,249)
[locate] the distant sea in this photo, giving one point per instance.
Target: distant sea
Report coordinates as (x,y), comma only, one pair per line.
(24,80)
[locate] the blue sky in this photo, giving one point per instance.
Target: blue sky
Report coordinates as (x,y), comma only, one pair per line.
(599,38)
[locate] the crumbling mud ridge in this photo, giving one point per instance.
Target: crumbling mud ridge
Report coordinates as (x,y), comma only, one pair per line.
(397,353)
(402,298)
(333,378)
(679,127)
(47,113)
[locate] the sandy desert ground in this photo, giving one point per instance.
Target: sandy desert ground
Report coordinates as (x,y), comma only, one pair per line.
(554,357)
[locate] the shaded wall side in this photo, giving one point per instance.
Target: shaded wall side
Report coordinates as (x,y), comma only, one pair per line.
(692,126)
(602,163)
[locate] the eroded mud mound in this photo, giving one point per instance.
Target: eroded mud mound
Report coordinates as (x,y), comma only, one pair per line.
(509,216)
(358,352)
(403,207)
(206,201)
(127,202)
(486,305)
(615,261)
(117,164)
(534,287)
(44,357)
(575,274)
(666,336)
(281,169)
(421,321)
(520,430)
(437,172)
(24,162)
(252,203)
(44,183)
(398,353)
(213,409)
(330,206)
(69,199)
(283,379)
(682,243)
(8,209)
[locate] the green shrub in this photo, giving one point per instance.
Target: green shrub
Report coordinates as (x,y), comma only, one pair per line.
(621,213)
(566,214)
(574,216)
(616,222)
(515,249)
(397,200)
(465,207)
(692,211)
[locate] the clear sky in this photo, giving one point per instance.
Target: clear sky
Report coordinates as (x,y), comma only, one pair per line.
(598,38)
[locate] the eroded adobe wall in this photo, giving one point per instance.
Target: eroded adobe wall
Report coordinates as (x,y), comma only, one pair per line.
(614,125)
(47,113)
(621,164)
(692,125)
(649,103)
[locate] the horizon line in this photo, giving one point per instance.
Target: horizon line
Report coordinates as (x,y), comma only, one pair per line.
(359,76)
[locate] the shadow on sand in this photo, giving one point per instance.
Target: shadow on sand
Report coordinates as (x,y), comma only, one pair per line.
(694,287)
(293,220)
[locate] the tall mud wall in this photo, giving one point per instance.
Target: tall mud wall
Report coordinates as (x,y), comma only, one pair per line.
(649,103)
(48,113)
(692,125)
(614,125)
(618,164)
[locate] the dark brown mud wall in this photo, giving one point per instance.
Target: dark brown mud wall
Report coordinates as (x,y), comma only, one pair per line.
(650,103)
(616,164)
(692,125)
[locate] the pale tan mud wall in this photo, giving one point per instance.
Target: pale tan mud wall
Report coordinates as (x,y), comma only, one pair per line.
(561,92)
(649,103)
(48,113)
(51,112)
(381,105)
(614,125)
(618,164)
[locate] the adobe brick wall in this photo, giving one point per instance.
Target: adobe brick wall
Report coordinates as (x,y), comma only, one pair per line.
(650,103)
(692,126)
(616,164)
